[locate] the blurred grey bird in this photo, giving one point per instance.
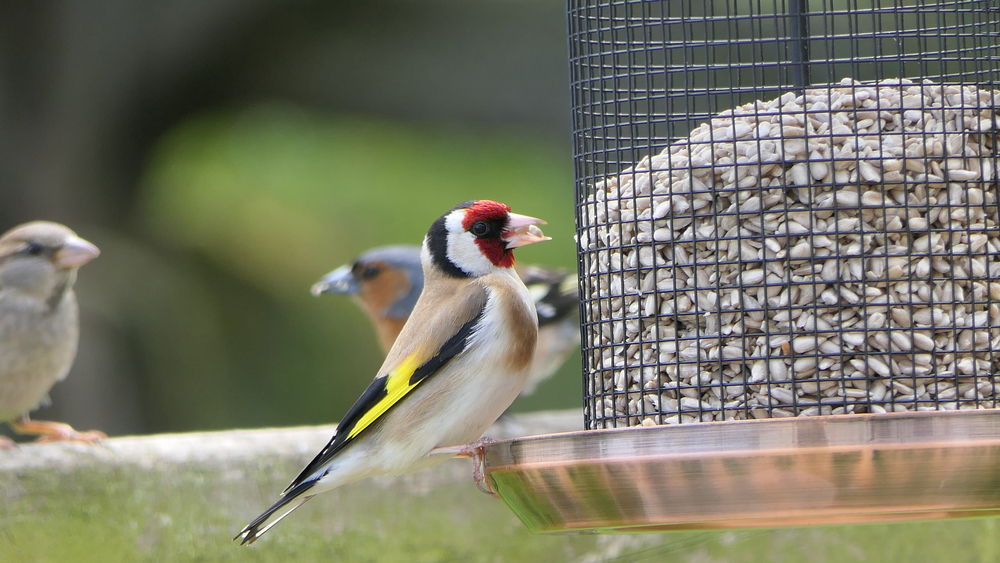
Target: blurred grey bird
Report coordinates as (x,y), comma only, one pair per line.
(39,322)
(386,282)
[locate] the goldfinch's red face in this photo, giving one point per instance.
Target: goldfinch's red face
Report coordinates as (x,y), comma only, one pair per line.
(478,237)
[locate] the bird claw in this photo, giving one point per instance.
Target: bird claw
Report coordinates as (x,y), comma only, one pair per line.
(6,443)
(56,432)
(90,437)
(477,451)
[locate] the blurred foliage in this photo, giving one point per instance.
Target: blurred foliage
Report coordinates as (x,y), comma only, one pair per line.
(271,198)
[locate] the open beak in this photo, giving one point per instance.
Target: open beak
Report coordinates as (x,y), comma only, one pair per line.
(339,281)
(521,230)
(75,252)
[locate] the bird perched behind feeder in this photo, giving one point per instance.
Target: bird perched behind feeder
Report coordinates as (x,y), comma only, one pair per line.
(386,281)
(458,363)
(39,321)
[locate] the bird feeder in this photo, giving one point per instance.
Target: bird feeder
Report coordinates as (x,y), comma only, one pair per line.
(789,256)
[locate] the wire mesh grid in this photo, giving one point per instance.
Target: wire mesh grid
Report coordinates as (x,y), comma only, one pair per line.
(786,208)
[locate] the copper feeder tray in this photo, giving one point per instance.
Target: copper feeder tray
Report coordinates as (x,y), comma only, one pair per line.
(760,473)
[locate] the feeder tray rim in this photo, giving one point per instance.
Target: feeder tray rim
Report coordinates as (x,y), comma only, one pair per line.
(761,473)
(795,423)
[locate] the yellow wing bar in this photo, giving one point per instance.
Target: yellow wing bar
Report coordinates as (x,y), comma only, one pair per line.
(397,385)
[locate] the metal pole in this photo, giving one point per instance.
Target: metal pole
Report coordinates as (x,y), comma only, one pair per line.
(798,10)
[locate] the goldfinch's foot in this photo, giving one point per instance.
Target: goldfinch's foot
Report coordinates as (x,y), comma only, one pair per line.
(6,443)
(477,451)
(56,431)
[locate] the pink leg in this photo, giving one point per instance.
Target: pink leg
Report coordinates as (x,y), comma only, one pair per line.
(55,431)
(6,443)
(477,451)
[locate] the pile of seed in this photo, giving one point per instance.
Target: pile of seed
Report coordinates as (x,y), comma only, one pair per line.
(827,253)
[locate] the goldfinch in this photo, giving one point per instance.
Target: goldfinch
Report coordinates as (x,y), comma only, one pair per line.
(386,281)
(458,363)
(39,322)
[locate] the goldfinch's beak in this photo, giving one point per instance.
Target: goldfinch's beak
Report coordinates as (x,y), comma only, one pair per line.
(521,231)
(339,281)
(75,252)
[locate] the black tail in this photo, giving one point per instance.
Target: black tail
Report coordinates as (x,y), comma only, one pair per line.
(289,502)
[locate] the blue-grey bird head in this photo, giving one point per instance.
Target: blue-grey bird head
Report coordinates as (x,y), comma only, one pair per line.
(388,274)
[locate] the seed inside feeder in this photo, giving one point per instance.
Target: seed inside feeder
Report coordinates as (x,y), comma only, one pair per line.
(831,253)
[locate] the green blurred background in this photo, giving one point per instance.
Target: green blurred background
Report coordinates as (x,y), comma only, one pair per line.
(225,155)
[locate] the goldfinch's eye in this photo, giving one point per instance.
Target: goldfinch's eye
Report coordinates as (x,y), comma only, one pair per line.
(370,272)
(34,249)
(479,228)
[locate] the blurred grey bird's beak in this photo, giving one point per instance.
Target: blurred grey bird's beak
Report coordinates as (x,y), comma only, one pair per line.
(340,281)
(521,231)
(75,252)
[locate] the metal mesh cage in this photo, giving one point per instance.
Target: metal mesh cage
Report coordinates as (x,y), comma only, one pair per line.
(786,207)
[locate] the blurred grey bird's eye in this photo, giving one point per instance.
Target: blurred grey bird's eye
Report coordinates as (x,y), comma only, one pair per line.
(34,249)
(479,228)
(370,272)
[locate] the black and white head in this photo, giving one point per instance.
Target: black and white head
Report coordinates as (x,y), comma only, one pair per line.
(40,259)
(477,238)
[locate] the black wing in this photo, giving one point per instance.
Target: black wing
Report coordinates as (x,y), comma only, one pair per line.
(384,394)
(555,292)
